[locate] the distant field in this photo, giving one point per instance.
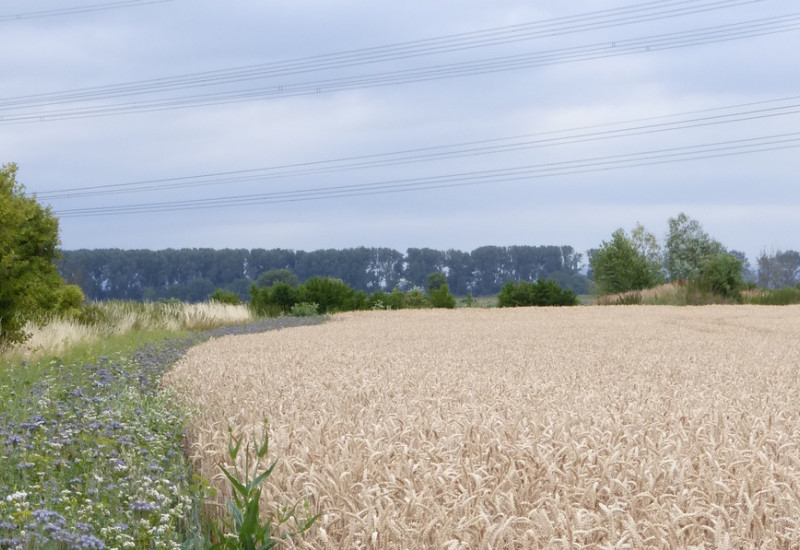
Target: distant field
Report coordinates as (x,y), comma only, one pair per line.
(586,427)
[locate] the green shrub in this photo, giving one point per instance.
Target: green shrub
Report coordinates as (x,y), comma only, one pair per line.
(396,299)
(260,302)
(331,294)
(378,300)
(224,297)
(544,292)
(722,274)
(441,298)
(436,280)
(269,278)
(275,300)
(29,280)
(283,295)
(619,266)
(305,309)
(416,299)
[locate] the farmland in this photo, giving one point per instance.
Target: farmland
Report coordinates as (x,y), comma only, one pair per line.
(592,427)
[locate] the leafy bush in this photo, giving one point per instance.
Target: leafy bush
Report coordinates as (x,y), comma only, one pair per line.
(331,294)
(269,278)
(396,299)
(544,292)
(416,299)
(618,266)
(305,309)
(29,281)
(436,280)
(224,297)
(721,273)
(379,300)
(275,300)
(441,297)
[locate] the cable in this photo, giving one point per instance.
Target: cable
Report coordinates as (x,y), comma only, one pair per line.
(613,162)
(78,9)
(403,50)
(746,29)
(721,33)
(745,112)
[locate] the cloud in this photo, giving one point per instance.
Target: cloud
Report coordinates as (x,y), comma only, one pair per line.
(745,201)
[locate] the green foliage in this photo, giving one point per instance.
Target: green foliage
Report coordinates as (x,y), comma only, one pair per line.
(442,298)
(192,274)
(269,278)
(721,273)
(618,266)
(396,299)
(380,300)
(779,269)
(436,280)
(544,292)
(305,309)
(69,301)
(30,283)
(245,530)
(275,300)
(687,248)
(332,295)
(283,295)
(647,245)
(224,297)
(778,297)
(416,299)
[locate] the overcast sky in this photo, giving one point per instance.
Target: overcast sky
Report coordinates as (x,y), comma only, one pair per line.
(447,124)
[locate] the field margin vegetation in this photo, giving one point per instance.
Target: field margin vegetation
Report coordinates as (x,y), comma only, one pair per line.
(92,447)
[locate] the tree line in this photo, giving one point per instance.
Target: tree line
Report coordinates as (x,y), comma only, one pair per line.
(637,261)
(194,274)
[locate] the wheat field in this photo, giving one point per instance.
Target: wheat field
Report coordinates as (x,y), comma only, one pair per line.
(588,427)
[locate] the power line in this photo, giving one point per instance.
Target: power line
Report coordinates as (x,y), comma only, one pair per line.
(709,117)
(721,33)
(483,177)
(648,11)
(78,9)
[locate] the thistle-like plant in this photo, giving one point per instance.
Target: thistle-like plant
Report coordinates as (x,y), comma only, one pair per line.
(244,529)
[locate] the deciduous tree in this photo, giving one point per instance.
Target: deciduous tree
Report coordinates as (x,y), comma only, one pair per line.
(619,266)
(29,281)
(687,248)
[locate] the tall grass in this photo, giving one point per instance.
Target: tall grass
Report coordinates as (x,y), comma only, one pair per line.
(101,320)
(780,297)
(693,293)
